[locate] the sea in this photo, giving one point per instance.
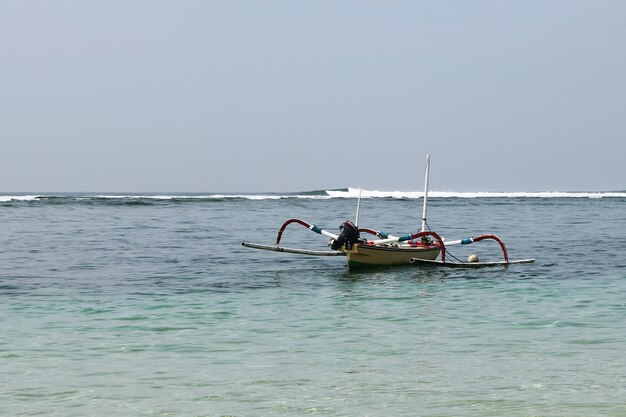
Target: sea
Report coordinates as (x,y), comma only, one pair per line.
(148,305)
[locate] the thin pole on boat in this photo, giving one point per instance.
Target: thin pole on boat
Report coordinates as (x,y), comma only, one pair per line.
(425,193)
(358,206)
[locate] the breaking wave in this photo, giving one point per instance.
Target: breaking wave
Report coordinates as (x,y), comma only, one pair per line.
(314,195)
(8,198)
(354,193)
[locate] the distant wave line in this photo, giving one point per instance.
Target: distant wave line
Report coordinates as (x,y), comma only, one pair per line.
(151,197)
(314,195)
(354,193)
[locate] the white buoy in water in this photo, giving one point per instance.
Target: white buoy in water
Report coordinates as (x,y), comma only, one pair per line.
(472,258)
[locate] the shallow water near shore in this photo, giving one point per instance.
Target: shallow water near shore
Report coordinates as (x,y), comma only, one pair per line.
(148,306)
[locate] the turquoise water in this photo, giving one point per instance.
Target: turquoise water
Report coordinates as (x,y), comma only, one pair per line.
(146,306)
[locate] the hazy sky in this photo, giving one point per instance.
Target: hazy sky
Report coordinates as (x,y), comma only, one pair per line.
(300,95)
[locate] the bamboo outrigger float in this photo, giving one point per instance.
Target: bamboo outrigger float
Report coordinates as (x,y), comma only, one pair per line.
(420,248)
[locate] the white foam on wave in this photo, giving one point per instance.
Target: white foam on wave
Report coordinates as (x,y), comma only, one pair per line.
(329,194)
(354,193)
(8,198)
(247,197)
(268,197)
(139,196)
(204,197)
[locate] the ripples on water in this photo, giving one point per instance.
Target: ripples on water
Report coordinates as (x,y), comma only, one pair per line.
(154,310)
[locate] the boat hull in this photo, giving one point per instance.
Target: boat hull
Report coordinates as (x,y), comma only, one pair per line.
(367,256)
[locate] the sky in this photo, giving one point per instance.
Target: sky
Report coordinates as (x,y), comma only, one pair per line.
(270,96)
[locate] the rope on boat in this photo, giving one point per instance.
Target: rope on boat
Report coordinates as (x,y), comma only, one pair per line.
(469,240)
(442,244)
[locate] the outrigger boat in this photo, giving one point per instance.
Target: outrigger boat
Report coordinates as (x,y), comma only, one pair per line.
(420,248)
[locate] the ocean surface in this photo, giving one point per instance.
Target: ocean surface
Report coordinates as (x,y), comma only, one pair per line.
(147,305)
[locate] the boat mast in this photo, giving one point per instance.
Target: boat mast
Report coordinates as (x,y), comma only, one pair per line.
(358,206)
(425,193)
